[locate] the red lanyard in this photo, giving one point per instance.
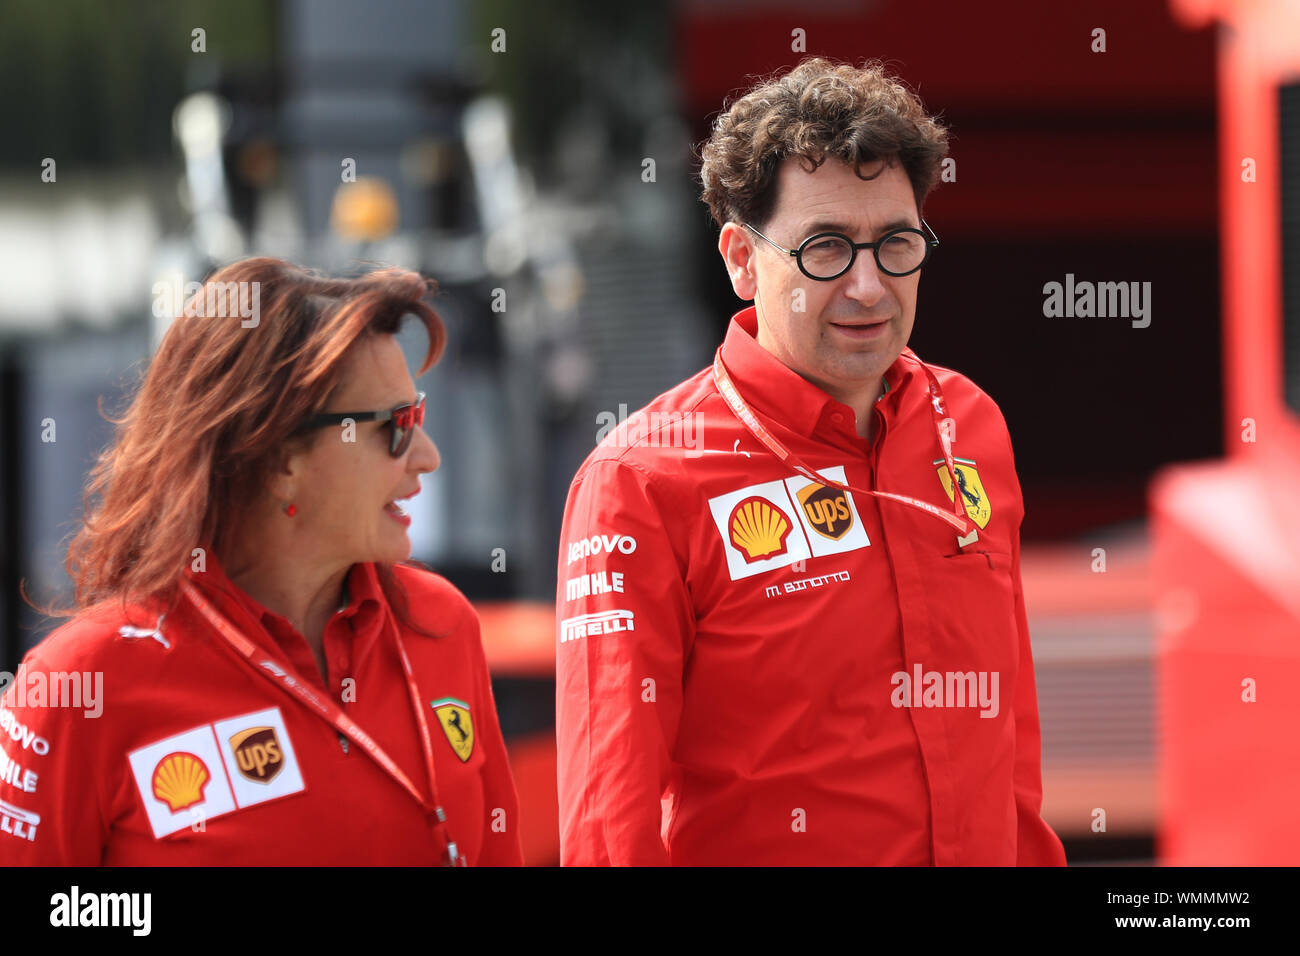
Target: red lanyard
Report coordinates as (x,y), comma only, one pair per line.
(756,428)
(334,715)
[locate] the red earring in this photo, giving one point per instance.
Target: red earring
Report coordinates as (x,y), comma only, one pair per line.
(291,509)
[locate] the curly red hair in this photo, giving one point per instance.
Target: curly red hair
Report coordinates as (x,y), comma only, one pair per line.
(216,409)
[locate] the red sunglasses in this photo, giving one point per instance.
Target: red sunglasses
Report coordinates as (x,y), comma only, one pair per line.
(403,420)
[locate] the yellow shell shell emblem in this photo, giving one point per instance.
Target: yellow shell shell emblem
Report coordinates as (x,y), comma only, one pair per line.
(758,528)
(454,716)
(179,779)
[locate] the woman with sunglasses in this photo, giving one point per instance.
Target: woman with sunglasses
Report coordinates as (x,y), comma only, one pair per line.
(279,686)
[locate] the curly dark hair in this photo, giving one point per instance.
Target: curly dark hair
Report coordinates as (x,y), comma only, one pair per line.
(821,108)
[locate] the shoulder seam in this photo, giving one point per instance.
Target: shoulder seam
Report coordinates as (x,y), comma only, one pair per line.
(642,441)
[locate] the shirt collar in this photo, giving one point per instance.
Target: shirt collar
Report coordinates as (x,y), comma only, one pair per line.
(361,587)
(777,391)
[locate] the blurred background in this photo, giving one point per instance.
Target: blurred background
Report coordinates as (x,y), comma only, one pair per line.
(500,147)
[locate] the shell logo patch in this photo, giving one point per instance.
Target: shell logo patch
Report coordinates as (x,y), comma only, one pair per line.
(454,717)
(758,528)
(774,524)
(179,779)
(182,781)
(976,500)
(189,779)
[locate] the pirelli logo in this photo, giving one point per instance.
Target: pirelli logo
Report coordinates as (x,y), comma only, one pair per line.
(18,822)
(592,625)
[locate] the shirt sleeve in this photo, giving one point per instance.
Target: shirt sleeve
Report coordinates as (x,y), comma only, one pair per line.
(625,628)
(49,788)
(501,844)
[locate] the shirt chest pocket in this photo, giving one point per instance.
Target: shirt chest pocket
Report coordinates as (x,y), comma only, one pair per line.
(972,612)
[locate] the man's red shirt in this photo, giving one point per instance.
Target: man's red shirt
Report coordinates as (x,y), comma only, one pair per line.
(732,635)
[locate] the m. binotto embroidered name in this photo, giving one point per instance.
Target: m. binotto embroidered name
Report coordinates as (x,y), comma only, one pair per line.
(803,584)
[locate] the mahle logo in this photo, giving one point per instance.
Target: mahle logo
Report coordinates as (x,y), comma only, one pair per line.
(827,511)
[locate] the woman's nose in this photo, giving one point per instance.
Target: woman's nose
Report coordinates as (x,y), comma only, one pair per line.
(424,453)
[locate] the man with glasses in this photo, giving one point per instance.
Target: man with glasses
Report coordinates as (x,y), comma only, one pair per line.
(802,639)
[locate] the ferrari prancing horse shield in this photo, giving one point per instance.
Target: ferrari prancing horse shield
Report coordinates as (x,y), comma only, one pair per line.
(978,507)
(453,714)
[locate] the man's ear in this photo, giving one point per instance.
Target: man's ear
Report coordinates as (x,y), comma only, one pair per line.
(737,249)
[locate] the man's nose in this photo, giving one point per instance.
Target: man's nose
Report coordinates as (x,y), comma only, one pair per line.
(864,281)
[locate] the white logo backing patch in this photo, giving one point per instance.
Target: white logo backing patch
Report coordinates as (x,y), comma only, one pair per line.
(215,769)
(182,780)
(776,523)
(829,516)
(260,756)
(759,529)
